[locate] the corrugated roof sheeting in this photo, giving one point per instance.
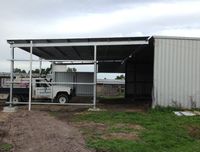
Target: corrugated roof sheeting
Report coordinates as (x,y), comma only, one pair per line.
(115,52)
(83,52)
(177,72)
(105,51)
(63,53)
(111,67)
(86,52)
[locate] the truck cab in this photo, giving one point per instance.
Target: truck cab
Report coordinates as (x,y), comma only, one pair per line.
(43,89)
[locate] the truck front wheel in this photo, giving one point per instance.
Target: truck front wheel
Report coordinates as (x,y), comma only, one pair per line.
(62,98)
(16,99)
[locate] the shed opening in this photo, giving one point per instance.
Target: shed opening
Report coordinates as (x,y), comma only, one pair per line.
(139,75)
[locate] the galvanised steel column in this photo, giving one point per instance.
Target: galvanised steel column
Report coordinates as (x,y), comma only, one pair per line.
(11,76)
(95,77)
(30,76)
(40,72)
(53,79)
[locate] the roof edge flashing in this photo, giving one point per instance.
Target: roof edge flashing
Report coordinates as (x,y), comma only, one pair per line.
(176,37)
(65,44)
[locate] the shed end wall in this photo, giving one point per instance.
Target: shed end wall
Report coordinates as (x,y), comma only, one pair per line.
(177,72)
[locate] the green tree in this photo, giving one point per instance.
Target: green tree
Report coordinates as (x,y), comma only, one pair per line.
(17,70)
(71,69)
(36,71)
(23,71)
(120,77)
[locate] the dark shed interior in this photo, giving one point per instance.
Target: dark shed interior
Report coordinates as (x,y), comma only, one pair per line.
(139,74)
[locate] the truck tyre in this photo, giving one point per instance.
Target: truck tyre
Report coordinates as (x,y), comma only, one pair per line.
(62,98)
(16,99)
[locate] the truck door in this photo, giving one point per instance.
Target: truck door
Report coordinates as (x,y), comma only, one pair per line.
(42,90)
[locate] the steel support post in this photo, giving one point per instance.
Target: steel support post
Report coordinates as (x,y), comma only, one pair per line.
(40,66)
(53,79)
(95,78)
(30,76)
(11,76)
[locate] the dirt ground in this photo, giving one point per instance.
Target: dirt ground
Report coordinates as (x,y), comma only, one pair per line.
(37,131)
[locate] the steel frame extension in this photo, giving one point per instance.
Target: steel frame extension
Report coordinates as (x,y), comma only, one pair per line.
(94,62)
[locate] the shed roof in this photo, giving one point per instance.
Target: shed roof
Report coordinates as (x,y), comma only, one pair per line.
(114,49)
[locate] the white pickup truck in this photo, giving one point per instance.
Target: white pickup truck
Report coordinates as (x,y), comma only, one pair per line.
(42,89)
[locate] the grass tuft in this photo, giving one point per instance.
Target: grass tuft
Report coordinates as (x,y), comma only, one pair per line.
(5,147)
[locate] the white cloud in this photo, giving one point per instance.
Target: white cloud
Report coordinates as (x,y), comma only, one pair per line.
(133,14)
(98,18)
(5,66)
(180,32)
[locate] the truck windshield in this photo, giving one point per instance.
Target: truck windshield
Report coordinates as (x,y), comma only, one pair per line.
(40,83)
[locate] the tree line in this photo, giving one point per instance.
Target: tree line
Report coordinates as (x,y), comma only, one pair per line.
(43,71)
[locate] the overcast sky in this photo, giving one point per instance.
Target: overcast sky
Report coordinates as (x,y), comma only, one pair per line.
(94,18)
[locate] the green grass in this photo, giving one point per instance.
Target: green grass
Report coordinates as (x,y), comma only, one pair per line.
(121,130)
(163,131)
(5,147)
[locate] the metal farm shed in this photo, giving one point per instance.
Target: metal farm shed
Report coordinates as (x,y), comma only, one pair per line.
(161,70)
(177,72)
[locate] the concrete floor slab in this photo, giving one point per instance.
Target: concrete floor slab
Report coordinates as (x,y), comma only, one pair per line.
(9,109)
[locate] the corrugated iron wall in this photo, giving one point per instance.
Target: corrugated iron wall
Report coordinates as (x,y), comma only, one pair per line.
(81,77)
(85,90)
(177,72)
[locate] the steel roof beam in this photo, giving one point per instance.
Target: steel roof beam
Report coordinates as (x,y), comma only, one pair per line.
(140,42)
